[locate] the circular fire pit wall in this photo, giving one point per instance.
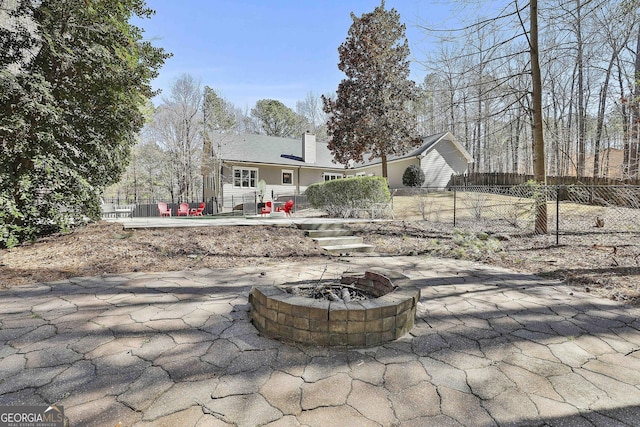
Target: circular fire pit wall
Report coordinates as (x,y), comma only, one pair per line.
(388,315)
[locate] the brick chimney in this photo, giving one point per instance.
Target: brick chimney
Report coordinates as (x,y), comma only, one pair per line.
(309,147)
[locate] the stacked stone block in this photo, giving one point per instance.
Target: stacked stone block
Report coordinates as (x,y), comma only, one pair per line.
(386,317)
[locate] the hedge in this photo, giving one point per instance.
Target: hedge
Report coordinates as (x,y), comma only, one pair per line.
(344,197)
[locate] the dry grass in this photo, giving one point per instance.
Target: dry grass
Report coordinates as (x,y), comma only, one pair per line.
(105,247)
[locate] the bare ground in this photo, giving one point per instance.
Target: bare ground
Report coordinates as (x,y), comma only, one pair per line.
(585,262)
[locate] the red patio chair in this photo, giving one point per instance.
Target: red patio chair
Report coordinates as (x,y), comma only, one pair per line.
(163,209)
(266,210)
(183,209)
(197,211)
(286,208)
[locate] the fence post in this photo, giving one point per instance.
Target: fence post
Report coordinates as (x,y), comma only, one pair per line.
(557,215)
(454,206)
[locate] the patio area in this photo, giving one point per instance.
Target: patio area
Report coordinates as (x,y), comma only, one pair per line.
(489,347)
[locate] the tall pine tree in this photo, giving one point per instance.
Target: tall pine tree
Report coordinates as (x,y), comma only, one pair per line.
(371,114)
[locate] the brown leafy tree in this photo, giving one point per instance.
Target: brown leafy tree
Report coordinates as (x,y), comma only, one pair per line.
(370,114)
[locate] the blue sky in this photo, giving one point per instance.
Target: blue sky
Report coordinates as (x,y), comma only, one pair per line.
(280,49)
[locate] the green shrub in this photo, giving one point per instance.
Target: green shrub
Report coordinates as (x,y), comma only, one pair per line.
(413,176)
(343,197)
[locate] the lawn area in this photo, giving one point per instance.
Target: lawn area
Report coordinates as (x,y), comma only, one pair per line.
(513,212)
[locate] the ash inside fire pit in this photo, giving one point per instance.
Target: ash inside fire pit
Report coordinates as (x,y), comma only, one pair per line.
(329,290)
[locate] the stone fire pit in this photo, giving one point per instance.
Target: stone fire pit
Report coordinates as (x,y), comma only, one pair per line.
(386,316)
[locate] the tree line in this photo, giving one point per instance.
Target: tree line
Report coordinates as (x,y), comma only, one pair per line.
(478,87)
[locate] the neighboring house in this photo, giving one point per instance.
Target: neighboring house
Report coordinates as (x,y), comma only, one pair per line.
(289,166)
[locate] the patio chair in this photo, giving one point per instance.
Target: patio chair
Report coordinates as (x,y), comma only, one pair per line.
(266,210)
(163,209)
(286,208)
(183,209)
(197,211)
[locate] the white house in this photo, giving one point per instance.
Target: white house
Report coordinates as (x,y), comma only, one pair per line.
(289,166)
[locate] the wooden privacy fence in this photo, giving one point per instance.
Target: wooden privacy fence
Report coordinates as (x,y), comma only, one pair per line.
(500,178)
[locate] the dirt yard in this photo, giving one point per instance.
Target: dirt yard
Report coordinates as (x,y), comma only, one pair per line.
(584,262)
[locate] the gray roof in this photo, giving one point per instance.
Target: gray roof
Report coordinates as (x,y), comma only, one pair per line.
(263,149)
(428,143)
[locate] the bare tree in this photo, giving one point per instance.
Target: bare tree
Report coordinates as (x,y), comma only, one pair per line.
(177,129)
(220,121)
(485,95)
(616,39)
(536,111)
(315,119)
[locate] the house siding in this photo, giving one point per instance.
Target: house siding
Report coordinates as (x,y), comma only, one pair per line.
(395,171)
(440,163)
(272,175)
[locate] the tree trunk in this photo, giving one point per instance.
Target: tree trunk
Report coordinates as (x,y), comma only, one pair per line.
(601,111)
(635,116)
(625,122)
(581,122)
(384,166)
(538,136)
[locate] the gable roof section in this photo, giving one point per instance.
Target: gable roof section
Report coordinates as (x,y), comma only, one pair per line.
(263,149)
(428,144)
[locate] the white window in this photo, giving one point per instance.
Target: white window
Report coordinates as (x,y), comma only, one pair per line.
(332,176)
(361,174)
(245,177)
(287,177)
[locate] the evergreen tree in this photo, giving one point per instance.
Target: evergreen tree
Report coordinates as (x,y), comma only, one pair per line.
(73,78)
(371,114)
(275,118)
(413,176)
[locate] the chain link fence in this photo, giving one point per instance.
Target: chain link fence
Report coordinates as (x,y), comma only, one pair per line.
(571,209)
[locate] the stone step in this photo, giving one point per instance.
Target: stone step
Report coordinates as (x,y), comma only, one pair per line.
(328,233)
(332,237)
(356,247)
(319,226)
(338,240)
